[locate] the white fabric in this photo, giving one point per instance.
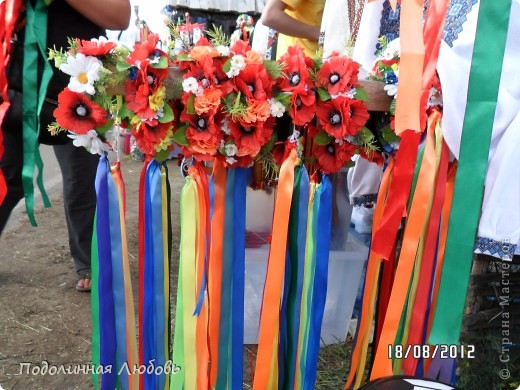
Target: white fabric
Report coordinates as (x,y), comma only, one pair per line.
(364,178)
(368,34)
(335,28)
(500,220)
(260,38)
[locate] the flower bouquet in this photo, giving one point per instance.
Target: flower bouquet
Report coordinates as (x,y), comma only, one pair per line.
(85,109)
(226,99)
(95,101)
(326,103)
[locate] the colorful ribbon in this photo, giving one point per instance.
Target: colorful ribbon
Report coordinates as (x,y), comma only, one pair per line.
(484,82)
(266,373)
(319,289)
(156,288)
(33,98)
(297,234)
(107,326)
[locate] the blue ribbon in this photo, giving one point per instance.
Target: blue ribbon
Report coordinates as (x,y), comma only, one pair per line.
(159,318)
(320,279)
(227,281)
(118,283)
(149,339)
(107,337)
(242,177)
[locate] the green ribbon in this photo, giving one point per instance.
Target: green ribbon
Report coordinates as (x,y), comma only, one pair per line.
(94,303)
(33,98)
(484,81)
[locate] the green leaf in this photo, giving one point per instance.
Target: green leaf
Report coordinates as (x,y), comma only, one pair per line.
(389,135)
(361,94)
(125,112)
(322,138)
(190,105)
(227,66)
(162,64)
(324,94)
(284,98)
(184,57)
(274,68)
(122,66)
(179,137)
(365,136)
(392,107)
(167,114)
(107,126)
(162,155)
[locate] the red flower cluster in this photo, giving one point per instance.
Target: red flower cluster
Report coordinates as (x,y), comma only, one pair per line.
(152,116)
(327,91)
(226,110)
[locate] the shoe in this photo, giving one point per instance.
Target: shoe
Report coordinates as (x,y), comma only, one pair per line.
(362,217)
(84,283)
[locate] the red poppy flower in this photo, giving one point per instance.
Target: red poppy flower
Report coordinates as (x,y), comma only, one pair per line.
(332,157)
(93,48)
(148,136)
(203,71)
(254,82)
(296,67)
(202,133)
(144,85)
(338,74)
(240,47)
(249,138)
(77,113)
(342,116)
(303,106)
(144,50)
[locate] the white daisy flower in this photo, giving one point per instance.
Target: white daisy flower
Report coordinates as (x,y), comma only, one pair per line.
(84,71)
(277,108)
(190,85)
(89,141)
(223,50)
(238,61)
(231,150)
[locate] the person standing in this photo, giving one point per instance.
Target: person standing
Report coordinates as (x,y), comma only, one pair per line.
(84,19)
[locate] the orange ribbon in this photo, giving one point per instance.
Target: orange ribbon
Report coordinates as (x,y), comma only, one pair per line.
(266,361)
(215,264)
(410,67)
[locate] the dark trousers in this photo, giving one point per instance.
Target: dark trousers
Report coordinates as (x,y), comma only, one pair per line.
(78,169)
(11,163)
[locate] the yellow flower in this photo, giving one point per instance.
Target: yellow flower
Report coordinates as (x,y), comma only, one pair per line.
(136,120)
(166,142)
(157,99)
